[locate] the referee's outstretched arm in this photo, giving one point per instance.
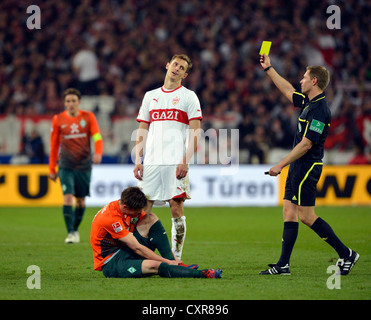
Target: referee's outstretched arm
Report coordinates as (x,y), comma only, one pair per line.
(282,84)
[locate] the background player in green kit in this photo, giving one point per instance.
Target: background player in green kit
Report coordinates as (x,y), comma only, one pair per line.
(70,146)
(306,164)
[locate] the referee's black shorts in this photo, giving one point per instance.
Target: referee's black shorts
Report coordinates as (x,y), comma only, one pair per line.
(301,182)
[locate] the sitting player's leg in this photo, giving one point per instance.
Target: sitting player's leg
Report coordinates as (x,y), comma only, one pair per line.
(150,233)
(150,267)
(157,238)
(169,271)
(123,264)
(151,228)
(144,224)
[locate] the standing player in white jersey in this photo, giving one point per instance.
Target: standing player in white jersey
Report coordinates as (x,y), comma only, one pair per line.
(170,125)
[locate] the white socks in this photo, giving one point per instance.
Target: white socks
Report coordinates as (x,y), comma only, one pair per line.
(178,232)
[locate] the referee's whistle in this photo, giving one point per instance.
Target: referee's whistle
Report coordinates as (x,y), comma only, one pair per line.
(267,172)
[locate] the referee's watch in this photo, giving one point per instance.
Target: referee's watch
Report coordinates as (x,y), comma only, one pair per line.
(267,68)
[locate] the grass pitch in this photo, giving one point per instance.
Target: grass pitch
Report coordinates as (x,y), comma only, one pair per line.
(241,241)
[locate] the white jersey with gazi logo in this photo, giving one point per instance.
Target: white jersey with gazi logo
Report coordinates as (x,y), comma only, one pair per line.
(168,114)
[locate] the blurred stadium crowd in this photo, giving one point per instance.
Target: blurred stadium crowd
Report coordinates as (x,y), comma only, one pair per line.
(119,49)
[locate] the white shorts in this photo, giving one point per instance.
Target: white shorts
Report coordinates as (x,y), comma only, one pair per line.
(160,184)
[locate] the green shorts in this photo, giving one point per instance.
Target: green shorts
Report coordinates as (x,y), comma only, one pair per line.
(75,182)
(125,263)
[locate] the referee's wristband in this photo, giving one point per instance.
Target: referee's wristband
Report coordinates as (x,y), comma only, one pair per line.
(267,68)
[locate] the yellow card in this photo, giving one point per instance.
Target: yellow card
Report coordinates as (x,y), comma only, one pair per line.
(266,46)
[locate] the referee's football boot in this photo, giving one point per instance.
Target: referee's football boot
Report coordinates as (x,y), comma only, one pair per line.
(275,269)
(345,265)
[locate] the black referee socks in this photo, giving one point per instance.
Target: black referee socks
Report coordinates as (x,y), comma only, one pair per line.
(290,233)
(323,229)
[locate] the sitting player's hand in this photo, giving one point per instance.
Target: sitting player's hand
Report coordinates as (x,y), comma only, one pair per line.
(174,262)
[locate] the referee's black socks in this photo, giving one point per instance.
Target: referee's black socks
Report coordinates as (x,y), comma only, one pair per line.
(290,233)
(323,229)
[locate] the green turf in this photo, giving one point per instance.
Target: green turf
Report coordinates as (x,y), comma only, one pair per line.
(241,241)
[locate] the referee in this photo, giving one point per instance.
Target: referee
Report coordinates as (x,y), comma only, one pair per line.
(306,164)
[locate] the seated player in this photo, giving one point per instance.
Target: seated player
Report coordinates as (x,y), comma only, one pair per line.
(124,239)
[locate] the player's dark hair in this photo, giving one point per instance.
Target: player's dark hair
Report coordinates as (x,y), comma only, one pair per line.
(185,58)
(134,198)
(322,75)
(72,91)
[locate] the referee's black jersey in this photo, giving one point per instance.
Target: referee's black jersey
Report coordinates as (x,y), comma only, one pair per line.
(313,123)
